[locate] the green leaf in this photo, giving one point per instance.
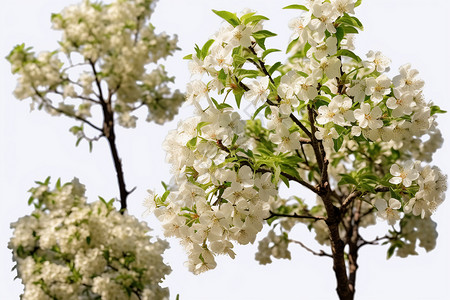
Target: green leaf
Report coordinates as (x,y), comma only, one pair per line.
(296,6)
(348,53)
(76,129)
(268,51)
(338,143)
(206,47)
(323,98)
(318,102)
(261,34)
(274,67)
(200,125)
(246,16)
(238,96)
(339,129)
(228,16)
(221,105)
(261,43)
(238,61)
(347,179)
(254,19)
(436,110)
(358,3)
(198,52)
(259,110)
(248,73)
(192,143)
(78,141)
(189,56)
(348,29)
(352,21)
(340,34)
(285,180)
(326,90)
(291,45)
(391,251)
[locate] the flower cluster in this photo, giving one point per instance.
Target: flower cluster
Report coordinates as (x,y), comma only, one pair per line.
(217,198)
(326,119)
(105,60)
(69,249)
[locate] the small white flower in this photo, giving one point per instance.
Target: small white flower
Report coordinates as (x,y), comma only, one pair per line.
(377,61)
(367,117)
(405,174)
(259,91)
(407,80)
(388,212)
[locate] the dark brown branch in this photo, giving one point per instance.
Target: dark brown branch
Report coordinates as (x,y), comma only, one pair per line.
(295,216)
(373,242)
(304,154)
(353,240)
(315,143)
(320,253)
(108,131)
(349,200)
(356,194)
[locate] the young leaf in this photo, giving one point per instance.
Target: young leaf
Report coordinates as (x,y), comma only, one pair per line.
(255,19)
(338,143)
(291,45)
(268,51)
(259,110)
(436,110)
(189,56)
(238,96)
(340,34)
(192,143)
(228,16)
(348,53)
(263,34)
(352,21)
(206,47)
(274,67)
(296,6)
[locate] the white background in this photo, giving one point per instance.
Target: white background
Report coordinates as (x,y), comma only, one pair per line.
(34,146)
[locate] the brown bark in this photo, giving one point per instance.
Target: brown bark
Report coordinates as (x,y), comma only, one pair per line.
(108,132)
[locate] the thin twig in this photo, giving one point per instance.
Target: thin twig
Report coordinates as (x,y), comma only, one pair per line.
(295,216)
(320,253)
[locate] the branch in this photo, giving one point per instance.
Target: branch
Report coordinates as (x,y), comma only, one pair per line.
(321,253)
(356,194)
(48,104)
(350,199)
(263,68)
(373,242)
(97,81)
(79,96)
(108,131)
(315,143)
(295,215)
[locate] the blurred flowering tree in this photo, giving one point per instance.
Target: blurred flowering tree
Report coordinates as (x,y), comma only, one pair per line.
(327,120)
(70,249)
(105,70)
(100,75)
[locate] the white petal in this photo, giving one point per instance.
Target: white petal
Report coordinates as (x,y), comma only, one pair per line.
(394,203)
